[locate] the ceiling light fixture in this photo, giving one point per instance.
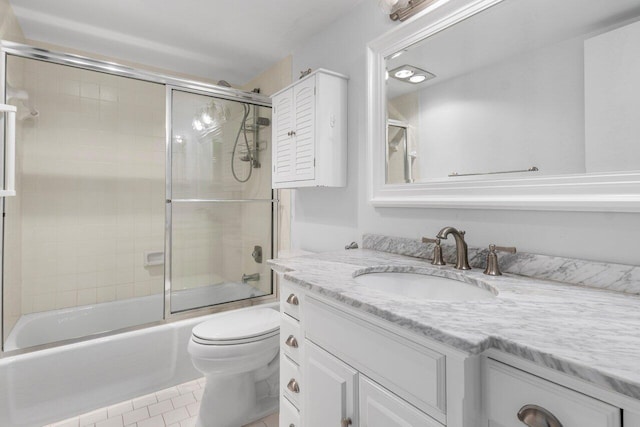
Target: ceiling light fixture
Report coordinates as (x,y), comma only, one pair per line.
(404,73)
(410,74)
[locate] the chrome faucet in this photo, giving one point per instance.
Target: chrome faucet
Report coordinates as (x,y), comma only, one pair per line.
(250,277)
(462,253)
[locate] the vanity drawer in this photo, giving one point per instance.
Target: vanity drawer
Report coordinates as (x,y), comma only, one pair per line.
(290,380)
(510,391)
(290,339)
(290,300)
(408,369)
(289,415)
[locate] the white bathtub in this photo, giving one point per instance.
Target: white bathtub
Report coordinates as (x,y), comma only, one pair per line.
(68,323)
(45,386)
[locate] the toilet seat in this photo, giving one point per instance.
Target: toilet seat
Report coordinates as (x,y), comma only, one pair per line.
(238,327)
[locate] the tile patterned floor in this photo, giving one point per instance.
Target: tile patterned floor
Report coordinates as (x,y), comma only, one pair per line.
(172,407)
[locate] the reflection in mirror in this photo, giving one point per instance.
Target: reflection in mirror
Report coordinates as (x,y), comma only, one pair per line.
(522,89)
(400,158)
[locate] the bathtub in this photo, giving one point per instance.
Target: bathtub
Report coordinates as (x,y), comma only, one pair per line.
(69,323)
(49,385)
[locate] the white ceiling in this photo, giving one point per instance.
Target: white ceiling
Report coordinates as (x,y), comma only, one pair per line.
(234,40)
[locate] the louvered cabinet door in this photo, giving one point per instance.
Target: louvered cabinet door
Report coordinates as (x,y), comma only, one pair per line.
(304,108)
(283,141)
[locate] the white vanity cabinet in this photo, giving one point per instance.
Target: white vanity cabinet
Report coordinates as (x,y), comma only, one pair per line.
(310,132)
(291,349)
(351,368)
(353,373)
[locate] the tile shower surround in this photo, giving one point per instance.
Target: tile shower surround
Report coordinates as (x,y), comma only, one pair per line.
(92,198)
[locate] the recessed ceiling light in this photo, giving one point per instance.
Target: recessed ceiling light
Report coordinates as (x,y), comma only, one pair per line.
(410,74)
(404,73)
(398,53)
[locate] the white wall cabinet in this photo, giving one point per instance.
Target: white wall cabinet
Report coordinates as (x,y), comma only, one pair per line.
(310,132)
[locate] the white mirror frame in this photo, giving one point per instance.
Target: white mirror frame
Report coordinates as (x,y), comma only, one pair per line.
(613,192)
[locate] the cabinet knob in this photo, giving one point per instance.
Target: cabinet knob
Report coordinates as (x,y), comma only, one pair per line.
(536,416)
(293,385)
(345,422)
(293,300)
(292,341)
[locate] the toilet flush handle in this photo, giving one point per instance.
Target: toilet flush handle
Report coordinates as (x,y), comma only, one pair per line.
(293,300)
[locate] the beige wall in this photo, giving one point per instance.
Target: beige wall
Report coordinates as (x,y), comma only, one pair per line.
(270,82)
(9,27)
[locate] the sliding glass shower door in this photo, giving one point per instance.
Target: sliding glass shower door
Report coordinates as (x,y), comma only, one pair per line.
(219,201)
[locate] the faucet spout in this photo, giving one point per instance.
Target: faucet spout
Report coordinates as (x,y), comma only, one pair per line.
(462,251)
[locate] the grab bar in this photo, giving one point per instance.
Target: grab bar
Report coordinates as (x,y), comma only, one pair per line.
(10,151)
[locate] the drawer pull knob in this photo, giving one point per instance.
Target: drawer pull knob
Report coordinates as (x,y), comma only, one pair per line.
(536,416)
(346,422)
(293,386)
(293,300)
(292,341)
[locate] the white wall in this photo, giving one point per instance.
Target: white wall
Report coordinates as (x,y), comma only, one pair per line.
(327,219)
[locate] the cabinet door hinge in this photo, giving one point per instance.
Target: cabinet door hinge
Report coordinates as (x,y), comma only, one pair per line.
(314,162)
(314,90)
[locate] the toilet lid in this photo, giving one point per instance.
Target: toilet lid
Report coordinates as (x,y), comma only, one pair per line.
(235,327)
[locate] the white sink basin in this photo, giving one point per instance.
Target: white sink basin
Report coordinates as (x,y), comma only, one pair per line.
(423,286)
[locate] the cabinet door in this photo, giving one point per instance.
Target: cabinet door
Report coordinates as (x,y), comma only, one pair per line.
(304,107)
(283,143)
(330,390)
(380,408)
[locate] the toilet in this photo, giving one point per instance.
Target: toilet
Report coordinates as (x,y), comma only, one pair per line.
(237,351)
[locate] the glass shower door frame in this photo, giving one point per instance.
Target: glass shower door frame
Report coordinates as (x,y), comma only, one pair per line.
(170,201)
(171,83)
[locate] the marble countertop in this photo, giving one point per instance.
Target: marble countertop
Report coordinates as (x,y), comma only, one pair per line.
(589,333)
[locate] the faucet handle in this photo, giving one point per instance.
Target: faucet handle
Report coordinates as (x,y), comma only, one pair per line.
(437,251)
(509,249)
(493,269)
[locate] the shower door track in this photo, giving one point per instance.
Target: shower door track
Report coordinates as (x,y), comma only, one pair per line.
(170,82)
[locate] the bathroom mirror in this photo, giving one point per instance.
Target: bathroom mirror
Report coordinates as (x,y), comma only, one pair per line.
(508,104)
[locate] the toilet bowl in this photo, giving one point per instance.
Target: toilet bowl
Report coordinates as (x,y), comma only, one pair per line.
(237,351)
